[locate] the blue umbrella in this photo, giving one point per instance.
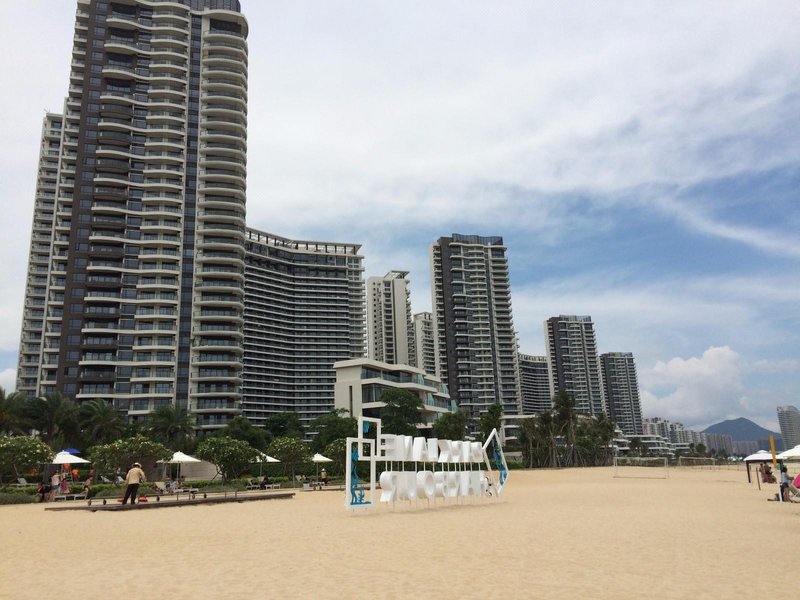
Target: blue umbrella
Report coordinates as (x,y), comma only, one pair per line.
(71,450)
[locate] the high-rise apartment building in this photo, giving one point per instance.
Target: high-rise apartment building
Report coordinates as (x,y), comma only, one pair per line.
(789,421)
(423,352)
(476,349)
(622,391)
(534,381)
(39,258)
(304,311)
(389,318)
(573,363)
(145,284)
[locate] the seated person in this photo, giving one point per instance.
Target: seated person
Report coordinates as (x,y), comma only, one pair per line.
(172,486)
(87,484)
(43,490)
(323,477)
(264,482)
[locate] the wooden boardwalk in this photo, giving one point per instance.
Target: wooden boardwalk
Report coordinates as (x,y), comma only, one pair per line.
(110,504)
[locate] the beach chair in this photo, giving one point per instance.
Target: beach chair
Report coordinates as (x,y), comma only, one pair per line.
(159,487)
(21,482)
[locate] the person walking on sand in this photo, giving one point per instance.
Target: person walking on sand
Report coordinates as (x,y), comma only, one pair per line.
(133,479)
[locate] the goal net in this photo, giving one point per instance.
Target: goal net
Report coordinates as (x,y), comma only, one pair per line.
(697,462)
(650,467)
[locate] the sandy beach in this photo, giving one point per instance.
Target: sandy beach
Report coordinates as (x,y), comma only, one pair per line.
(575,533)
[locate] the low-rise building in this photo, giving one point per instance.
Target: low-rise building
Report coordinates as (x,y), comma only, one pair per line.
(360,382)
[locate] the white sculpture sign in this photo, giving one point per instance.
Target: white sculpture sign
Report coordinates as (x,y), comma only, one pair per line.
(450,468)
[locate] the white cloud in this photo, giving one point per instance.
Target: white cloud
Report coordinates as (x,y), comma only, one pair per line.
(701,388)
(8,379)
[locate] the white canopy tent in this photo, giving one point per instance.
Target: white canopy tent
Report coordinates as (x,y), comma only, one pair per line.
(790,454)
(762,456)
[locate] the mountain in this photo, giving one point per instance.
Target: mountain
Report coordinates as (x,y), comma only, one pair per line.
(742,430)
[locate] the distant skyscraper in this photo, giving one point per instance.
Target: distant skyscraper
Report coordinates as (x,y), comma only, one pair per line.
(476,350)
(423,355)
(573,362)
(534,380)
(304,311)
(622,391)
(388,318)
(789,421)
(145,279)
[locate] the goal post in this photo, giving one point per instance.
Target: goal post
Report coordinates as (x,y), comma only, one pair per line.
(644,467)
(697,462)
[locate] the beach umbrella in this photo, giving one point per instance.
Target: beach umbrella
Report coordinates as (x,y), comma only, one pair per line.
(71,450)
(264,458)
(791,454)
(65,458)
(318,458)
(261,457)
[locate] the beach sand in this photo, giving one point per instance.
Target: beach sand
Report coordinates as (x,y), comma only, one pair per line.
(573,533)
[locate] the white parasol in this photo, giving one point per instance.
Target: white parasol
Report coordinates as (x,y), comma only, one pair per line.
(318,458)
(65,458)
(180,458)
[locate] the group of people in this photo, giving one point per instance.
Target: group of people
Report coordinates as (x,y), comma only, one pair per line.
(789,486)
(59,485)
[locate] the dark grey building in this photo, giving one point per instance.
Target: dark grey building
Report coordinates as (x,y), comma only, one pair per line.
(476,350)
(145,284)
(622,391)
(573,363)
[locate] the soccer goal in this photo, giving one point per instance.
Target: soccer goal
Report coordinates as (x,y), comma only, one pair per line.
(697,462)
(643,467)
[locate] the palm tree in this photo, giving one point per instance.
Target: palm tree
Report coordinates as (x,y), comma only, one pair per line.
(55,418)
(566,420)
(100,423)
(171,425)
(12,417)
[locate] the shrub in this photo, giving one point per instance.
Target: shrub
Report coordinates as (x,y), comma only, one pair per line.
(17,498)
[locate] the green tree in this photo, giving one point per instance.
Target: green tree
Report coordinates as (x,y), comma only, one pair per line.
(171,425)
(240,428)
(99,422)
(491,420)
(566,422)
(291,451)
(55,417)
(401,411)
(119,455)
(231,457)
(636,447)
(451,426)
(286,424)
(12,413)
(700,450)
(20,454)
(337,452)
(336,425)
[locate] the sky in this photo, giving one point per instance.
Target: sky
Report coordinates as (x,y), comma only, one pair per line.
(640,161)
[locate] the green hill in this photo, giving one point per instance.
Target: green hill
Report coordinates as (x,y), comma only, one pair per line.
(742,430)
